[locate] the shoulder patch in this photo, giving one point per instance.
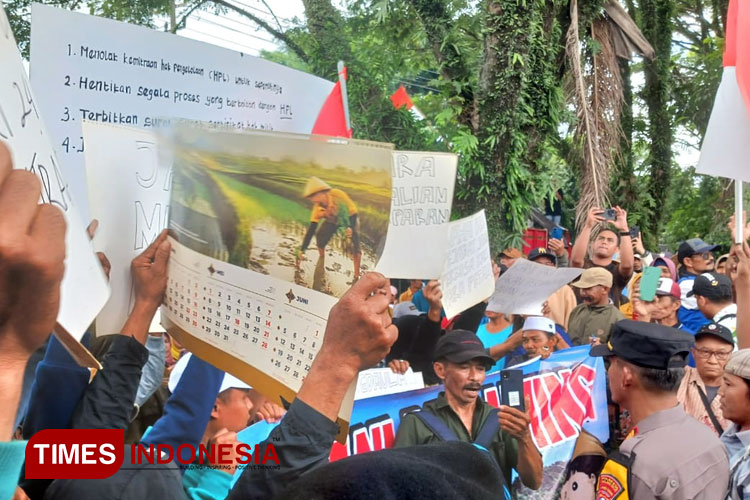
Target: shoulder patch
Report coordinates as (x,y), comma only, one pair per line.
(610,488)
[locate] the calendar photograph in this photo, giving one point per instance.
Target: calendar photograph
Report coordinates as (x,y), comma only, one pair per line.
(304,210)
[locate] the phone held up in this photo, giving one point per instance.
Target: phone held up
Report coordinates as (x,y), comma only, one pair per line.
(556,233)
(511,388)
(609,214)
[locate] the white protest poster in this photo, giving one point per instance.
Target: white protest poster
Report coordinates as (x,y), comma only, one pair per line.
(268,230)
(467,277)
(382,381)
(420,211)
(84,288)
(86,67)
(524,287)
(129,196)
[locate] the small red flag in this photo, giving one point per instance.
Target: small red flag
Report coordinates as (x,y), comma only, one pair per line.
(401,98)
(331,119)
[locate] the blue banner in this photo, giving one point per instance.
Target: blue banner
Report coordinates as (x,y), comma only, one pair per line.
(567,393)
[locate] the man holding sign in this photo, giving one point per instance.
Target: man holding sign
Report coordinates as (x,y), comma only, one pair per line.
(461,362)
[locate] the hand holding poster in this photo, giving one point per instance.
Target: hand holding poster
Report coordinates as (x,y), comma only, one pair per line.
(417,240)
(129,196)
(467,277)
(524,287)
(84,289)
(247,289)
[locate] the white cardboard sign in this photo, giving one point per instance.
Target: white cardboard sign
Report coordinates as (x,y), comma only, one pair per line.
(86,67)
(420,211)
(129,196)
(84,287)
(467,277)
(524,287)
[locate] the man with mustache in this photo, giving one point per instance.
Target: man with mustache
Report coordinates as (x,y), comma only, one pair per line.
(461,362)
(592,320)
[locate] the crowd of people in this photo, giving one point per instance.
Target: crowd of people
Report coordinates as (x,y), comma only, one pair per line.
(678,368)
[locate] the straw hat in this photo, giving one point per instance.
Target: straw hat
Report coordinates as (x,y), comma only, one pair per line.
(314,185)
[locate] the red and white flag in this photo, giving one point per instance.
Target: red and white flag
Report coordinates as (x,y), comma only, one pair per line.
(332,118)
(726,147)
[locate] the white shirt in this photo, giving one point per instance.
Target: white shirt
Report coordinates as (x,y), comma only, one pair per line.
(730,321)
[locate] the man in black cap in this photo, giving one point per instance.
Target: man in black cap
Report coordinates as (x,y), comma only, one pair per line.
(715,299)
(700,386)
(646,366)
(695,257)
(461,362)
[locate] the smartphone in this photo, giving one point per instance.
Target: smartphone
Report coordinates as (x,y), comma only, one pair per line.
(635,231)
(609,214)
(649,283)
(511,387)
(556,233)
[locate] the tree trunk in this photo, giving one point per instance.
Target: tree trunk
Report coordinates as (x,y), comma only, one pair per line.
(624,183)
(656,18)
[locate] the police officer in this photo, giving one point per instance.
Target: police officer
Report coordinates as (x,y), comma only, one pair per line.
(668,455)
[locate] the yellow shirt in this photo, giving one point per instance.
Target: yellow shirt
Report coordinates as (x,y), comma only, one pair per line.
(406,296)
(330,212)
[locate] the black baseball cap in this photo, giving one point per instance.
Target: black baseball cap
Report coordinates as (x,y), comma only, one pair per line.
(459,346)
(647,344)
(714,286)
(693,246)
(714,329)
(542,252)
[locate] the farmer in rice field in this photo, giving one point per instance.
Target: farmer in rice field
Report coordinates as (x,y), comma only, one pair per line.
(327,206)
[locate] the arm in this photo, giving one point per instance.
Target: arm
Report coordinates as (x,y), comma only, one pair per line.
(510,345)
(626,246)
(516,423)
(153,372)
(59,383)
(308,236)
(32,254)
(305,442)
(149,272)
(578,253)
(108,400)
(433,294)
(742,285)
(558,248)
(188,409)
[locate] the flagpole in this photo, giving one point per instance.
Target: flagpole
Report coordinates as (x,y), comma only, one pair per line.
(344,94)
(739,220)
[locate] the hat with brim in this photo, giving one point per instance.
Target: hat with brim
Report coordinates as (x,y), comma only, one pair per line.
(739,364)
(594,276)
(648,345)
(314,185)
(692,247)
(542,252)
(460,346)
(511,253)
(228,382)
(715,330)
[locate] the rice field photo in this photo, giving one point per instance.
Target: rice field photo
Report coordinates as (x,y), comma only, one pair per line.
(300,209)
